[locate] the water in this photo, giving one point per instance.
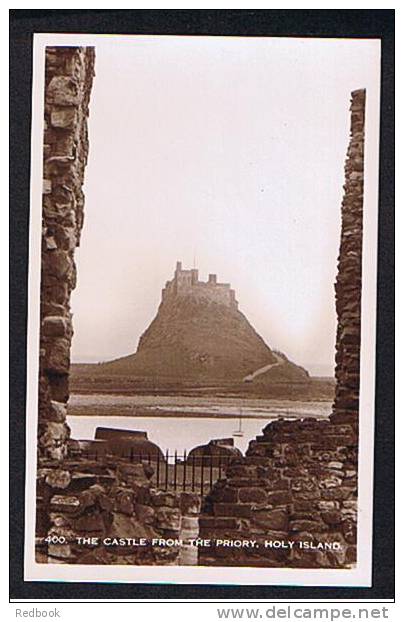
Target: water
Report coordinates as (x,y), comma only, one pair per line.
(208,418)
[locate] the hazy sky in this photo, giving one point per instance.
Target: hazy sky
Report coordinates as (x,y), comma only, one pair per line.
(229,150)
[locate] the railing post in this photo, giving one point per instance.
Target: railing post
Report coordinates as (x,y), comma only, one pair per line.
(175,470)
(202,465)
(184,473)
(158,470)
(193,473)
(166,486)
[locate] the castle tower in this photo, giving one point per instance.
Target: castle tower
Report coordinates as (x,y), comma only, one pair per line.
(187,283)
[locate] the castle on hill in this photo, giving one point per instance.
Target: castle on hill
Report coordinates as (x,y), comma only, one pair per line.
(187,283)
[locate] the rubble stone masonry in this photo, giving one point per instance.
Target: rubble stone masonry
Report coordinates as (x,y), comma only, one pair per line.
(107,512)
(294,494)
(69,75)
(349,278)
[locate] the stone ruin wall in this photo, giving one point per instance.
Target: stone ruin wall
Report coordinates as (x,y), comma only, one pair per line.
(69,75)
(111,499)
(349,278)
(298,481)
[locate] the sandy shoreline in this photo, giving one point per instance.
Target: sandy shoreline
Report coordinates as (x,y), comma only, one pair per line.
(86,413)
(181,407)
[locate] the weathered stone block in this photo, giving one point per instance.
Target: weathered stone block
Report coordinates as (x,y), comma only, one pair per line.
(57,412)
(271,519)
(58,356)
(124,502)
(232,509)
(240,470)
(52,433)
(169,499)
(331,481)
(60,551)
(64,118)
(279,498)
(46,186)
(144,513)
(279,484)
(252,495)
(133,475)
(168,518)
(327,505)
(190,523)
(82,481)
(55,326)
(227,523)
(331,517)
(58,478)
(64,91)
(124,526)
(58,263)
(90,523)
(306,525)
(190,503)
(207,522)
(68,504)
(302,505)
(337,494)
(349,531)
(243,482)
(59,520)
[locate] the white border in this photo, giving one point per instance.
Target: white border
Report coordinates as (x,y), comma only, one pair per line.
(359,576)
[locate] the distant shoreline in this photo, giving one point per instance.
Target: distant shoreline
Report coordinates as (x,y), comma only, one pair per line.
(172,415)
(87,380)
(182,415)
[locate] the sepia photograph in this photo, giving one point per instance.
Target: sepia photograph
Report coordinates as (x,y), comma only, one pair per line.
(202,309)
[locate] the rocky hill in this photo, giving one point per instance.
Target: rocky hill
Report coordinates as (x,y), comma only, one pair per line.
(202,339)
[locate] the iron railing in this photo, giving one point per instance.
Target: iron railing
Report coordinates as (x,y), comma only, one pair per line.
(176,471)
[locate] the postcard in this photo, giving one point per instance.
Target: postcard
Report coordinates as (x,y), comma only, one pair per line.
(202,304)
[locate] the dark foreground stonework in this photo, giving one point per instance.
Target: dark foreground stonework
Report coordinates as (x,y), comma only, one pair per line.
(68,80)
(296,487)
(97,512)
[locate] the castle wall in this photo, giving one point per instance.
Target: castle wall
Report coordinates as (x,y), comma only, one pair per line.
(186,283)
(68,80)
